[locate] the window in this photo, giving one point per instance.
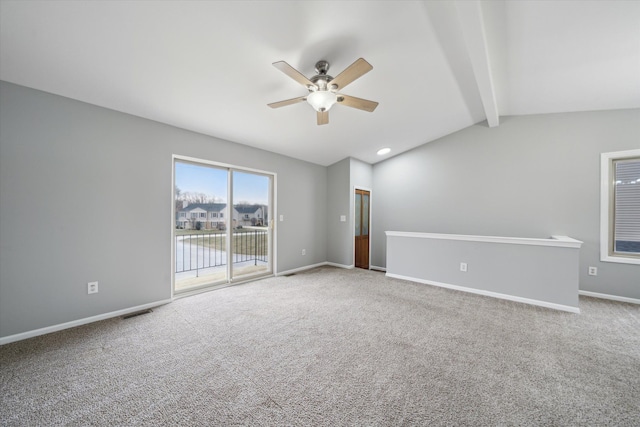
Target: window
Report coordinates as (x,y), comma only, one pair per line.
(620,207)
(183,214)
(194,215)
(246,216)
(214,214)
(221,215)
(203,214)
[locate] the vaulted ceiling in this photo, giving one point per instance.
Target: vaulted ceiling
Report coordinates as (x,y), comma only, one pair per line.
(438,66)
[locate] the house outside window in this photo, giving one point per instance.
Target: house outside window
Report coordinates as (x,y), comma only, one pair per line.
(620,207)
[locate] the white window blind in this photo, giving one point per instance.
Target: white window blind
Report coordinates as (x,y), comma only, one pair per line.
(627,206)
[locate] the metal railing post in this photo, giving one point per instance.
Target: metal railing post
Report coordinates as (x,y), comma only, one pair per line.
(197,272)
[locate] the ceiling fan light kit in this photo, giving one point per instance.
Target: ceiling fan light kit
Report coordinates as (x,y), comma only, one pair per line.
(323,89)
(322,100)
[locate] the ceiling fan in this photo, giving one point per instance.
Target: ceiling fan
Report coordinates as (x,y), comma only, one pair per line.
(323,89)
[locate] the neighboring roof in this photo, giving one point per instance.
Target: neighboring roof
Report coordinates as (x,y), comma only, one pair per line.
(209,207)
(245,209)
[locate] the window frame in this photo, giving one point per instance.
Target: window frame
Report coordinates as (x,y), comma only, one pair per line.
(607,204)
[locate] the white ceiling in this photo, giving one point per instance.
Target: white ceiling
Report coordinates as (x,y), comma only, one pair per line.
(439,66)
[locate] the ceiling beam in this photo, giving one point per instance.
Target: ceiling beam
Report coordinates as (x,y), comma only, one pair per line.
(472,23)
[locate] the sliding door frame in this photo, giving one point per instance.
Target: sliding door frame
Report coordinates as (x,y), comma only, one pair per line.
(273,211)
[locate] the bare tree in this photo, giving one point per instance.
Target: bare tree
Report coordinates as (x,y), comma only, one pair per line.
(196,197)
(178,199)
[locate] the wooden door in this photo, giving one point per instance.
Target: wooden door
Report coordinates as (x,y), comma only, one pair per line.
(362,199)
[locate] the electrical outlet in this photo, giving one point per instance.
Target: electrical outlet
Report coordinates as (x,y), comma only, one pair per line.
(463,266)
(92,287)
(304,252)
(593,271)
(281,218)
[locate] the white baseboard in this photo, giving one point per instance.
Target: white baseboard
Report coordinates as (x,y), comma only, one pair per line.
(309,267)
(299,269)
(30,334)
(375,267)
(611,297)
(348,267)
(489,294)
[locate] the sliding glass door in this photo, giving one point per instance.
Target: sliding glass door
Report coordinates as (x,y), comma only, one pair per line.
(251,232)
(222,230)
(201,222)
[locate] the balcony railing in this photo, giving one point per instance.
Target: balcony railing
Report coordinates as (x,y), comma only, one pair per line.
(206,250)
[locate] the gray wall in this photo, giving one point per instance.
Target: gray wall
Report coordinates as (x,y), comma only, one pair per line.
(85,194)
(533,176)
(361,174)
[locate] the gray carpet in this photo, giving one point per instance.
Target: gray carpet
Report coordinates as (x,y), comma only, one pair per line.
(333,347)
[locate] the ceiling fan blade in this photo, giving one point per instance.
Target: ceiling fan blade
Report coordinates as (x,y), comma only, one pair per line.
(294,74)
(352,72)
(359,103)
(287,102)
(323,118)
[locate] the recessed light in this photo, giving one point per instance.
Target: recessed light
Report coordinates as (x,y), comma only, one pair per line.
(383,151)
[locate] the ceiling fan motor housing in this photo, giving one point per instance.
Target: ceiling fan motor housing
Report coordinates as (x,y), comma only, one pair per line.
(322,79)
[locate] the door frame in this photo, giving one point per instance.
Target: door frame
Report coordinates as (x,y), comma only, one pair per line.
(353,222)
(273,211)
